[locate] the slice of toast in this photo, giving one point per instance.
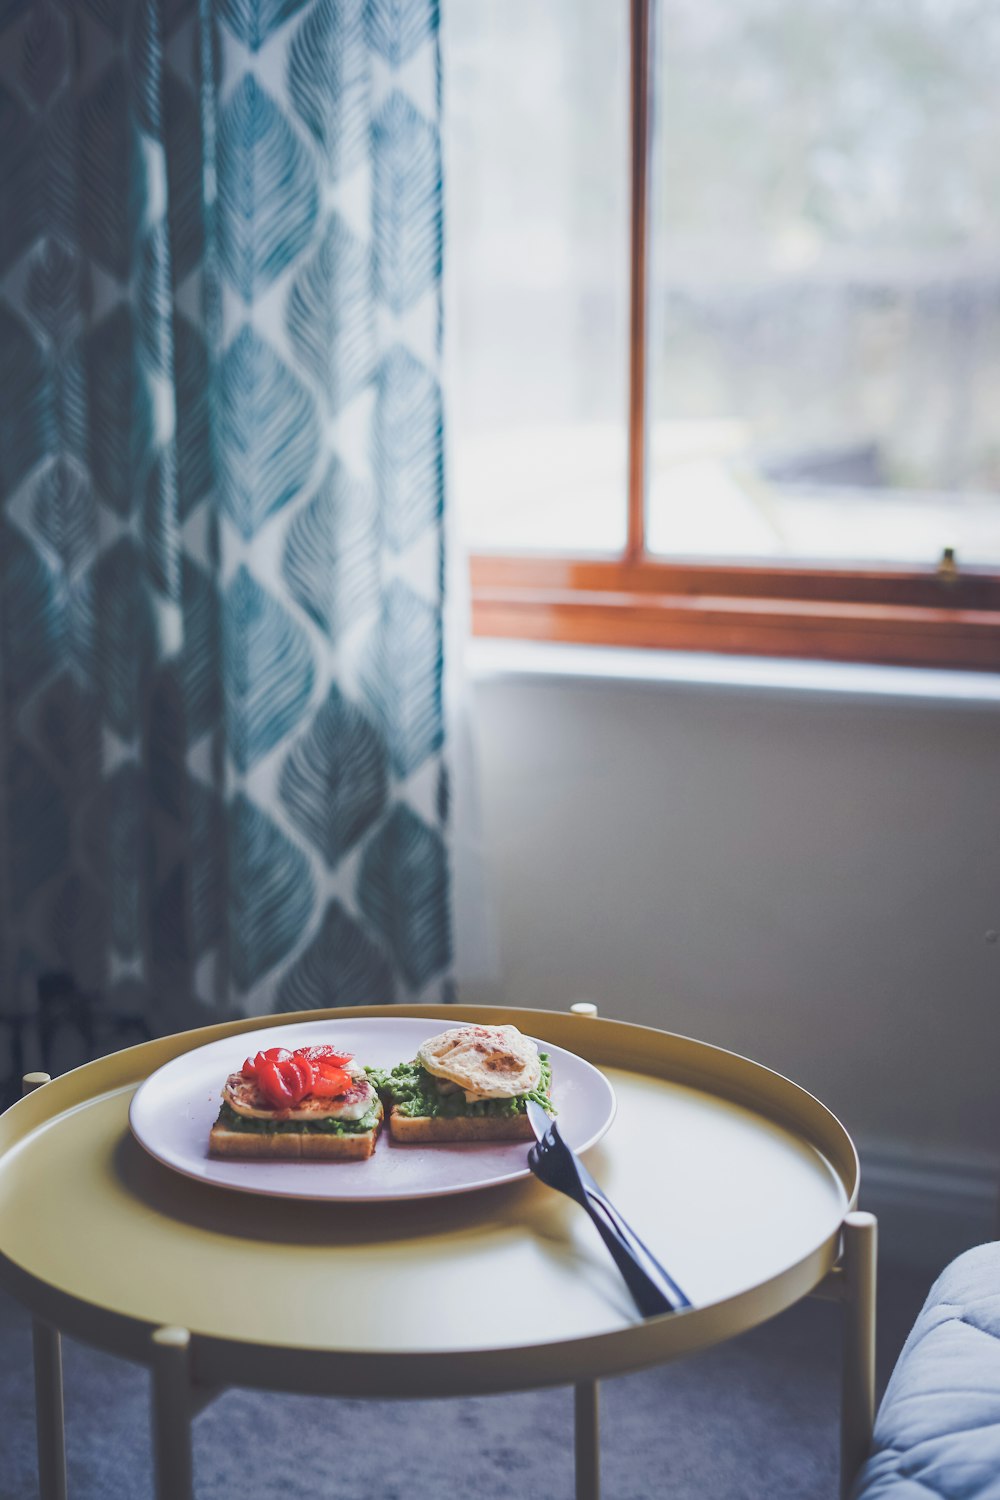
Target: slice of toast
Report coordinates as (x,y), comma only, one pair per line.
(294,1145)
(434,1129)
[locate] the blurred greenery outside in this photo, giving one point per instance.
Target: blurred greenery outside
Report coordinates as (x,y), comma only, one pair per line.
(824,277)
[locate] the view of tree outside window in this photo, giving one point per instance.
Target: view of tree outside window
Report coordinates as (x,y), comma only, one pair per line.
(537,185)
(825,281)
(824,286)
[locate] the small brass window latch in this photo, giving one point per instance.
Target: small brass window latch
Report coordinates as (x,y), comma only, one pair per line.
(947,568)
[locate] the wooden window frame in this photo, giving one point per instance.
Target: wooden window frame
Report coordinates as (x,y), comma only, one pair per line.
(943,616)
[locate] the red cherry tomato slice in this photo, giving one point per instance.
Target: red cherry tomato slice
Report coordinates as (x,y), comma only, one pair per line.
(284,1077)
(327,1065)
(325,1053)
(253,1063)
(329,1082)
(274,1054)
(298,1074)
(273,1085)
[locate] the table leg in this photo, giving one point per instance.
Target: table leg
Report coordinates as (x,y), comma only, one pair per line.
(51,1432)
(49,1424)
(586,1414)
(172,1411)
(857,1409)
(588,1441)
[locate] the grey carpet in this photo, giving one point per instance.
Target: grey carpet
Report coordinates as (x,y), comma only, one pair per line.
(755,1418)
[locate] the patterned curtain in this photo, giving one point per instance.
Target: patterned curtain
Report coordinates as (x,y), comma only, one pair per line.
(221,492)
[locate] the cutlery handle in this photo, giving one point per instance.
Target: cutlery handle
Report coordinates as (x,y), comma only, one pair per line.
(669,1296)
(642,1252)
(650,1295)
(653,1288)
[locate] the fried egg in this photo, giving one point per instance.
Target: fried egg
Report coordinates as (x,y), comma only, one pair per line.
(487,1062)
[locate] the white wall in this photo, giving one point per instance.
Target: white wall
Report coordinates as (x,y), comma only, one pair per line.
(806,878)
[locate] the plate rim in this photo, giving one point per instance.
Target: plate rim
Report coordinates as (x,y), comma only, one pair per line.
(421,1194)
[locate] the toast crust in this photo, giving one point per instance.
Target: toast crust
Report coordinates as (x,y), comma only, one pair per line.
(433,1129)
(293,1145)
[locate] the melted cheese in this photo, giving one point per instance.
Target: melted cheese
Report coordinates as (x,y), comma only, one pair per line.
(486,1062)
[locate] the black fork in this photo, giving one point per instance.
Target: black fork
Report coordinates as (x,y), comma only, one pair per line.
(653,1289)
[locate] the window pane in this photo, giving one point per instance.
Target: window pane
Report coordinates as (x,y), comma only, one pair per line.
(826,280)
(537,250)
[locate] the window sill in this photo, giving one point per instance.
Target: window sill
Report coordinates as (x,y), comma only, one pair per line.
(489,659)
(893,618)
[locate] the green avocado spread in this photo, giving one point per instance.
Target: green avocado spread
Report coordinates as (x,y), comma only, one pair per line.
(414,1092)
(232,1121)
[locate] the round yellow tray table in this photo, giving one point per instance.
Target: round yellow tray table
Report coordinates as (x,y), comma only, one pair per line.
(742,1182)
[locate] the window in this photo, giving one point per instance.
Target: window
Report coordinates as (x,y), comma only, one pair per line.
(726,318)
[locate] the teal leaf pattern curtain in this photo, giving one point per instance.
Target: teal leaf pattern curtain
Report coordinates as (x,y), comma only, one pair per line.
(222,776)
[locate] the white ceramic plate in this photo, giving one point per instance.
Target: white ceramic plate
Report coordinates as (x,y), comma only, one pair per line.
(172,1113)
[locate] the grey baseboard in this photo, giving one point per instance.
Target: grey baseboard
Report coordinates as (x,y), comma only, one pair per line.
(930,1207)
